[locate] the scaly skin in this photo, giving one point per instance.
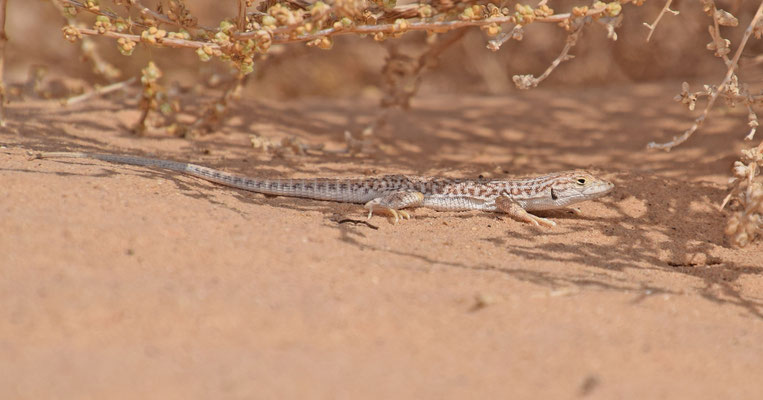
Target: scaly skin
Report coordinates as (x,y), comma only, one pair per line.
(393,193)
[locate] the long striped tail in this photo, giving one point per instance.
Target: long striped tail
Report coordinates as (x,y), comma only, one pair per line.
(342,190)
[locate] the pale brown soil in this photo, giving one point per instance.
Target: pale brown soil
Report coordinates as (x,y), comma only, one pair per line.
(128,282)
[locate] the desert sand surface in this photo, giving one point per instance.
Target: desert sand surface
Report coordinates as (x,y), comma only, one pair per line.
(130,282)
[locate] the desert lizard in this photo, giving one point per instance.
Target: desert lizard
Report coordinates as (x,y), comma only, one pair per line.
(393,193)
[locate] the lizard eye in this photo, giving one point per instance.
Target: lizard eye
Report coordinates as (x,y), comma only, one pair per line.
(581,181)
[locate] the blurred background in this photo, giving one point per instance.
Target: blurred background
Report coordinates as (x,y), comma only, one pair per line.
(353,67)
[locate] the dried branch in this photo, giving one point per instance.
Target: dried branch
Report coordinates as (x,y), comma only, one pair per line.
(752,119)
(653,26)
(167,41)
(215,111)
(732,65)
(437,48)
(99,91)
(3,41)
(719,44)
(241,18)
(529,81)
(402,74)
(516,33)
(690,98)
(153,14)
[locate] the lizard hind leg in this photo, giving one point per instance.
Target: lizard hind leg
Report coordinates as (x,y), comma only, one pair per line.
(393,203)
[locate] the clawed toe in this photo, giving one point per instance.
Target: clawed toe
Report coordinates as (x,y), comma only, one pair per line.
(537,221)
(397,215)
(394,214)
(393,202)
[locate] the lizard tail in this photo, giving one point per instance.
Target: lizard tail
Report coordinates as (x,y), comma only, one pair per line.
(319,189)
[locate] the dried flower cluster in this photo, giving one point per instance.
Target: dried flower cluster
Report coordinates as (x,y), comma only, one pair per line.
(746,196)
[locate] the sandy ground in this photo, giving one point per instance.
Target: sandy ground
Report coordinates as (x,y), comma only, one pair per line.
(128,282)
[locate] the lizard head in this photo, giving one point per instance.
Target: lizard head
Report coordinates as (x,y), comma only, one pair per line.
(575,186)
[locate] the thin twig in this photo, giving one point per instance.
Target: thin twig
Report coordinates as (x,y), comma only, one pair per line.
(515,33)
(721,88)
(756,60)
(214,110)
(432,54)
(653,26)
(403,77)
(155,15)
(404,82)
(169,42)
(717,37)
(528,81)
(753,98)
(571,41)
(753,118)
(241,15)
(436,49)
(492,72)
(3,40)
(99,91)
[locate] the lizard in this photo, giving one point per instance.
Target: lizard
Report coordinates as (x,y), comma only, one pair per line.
(392,193)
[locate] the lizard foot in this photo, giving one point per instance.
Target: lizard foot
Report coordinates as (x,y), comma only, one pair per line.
(535,220)
(396,214)
(393,202)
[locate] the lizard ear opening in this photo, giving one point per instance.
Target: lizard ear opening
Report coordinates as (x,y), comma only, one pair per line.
(581,181)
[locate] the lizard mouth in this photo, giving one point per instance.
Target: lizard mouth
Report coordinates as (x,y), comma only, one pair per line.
(602,189)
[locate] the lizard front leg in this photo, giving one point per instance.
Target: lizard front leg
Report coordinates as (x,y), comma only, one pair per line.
(393,202)
(511,207)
